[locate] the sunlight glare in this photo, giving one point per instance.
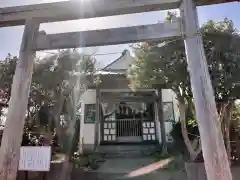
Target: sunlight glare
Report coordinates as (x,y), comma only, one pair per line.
(150,168)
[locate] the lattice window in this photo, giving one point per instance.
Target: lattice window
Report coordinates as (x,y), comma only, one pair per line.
(149,133)
(109,128)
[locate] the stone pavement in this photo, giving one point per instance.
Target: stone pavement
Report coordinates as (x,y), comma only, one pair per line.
(141,168)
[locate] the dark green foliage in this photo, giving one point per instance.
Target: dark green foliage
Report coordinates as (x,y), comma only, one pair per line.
(53,76)
(236,112)
(164,63)
(90,161)
(30,138)
(7,69)
(87,64)
(43,115)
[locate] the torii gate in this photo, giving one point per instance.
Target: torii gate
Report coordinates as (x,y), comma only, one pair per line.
(214,152)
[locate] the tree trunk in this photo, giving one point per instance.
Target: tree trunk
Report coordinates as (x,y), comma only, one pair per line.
(227,124)
(58,106)
(97,117)
(193,151)
(67,143)
(225,113)
(13,130)
(71,130)
(66,168)
(162,123)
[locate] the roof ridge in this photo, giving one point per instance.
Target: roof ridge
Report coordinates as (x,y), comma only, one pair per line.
(122,55)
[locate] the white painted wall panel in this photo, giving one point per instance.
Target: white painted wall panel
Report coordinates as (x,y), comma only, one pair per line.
(87,130)
(89,97)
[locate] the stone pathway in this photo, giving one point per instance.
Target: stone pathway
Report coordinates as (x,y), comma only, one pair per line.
(141,168)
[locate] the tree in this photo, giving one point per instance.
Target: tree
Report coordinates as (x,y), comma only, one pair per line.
(7,68)
(224,65)
(165,63)
(63,80)
(57,84)
(53,75)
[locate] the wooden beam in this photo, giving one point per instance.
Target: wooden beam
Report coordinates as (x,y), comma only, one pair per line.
(108,36)
(213,148)
(13,129)
(210,2)
(132,99)
(126,90)
(76,9)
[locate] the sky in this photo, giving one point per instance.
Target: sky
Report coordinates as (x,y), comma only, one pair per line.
(10,37)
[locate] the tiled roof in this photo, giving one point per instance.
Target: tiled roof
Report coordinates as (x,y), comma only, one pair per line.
(121,64)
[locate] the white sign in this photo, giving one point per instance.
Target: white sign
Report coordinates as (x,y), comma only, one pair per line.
(35,158)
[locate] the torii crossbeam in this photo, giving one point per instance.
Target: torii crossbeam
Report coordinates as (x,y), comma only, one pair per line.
(76,9)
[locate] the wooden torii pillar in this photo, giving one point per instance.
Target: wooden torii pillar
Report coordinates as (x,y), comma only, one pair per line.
(216,162)
(13,129)
(213,148)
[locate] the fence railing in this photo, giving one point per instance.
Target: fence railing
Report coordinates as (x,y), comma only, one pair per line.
(129,127)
